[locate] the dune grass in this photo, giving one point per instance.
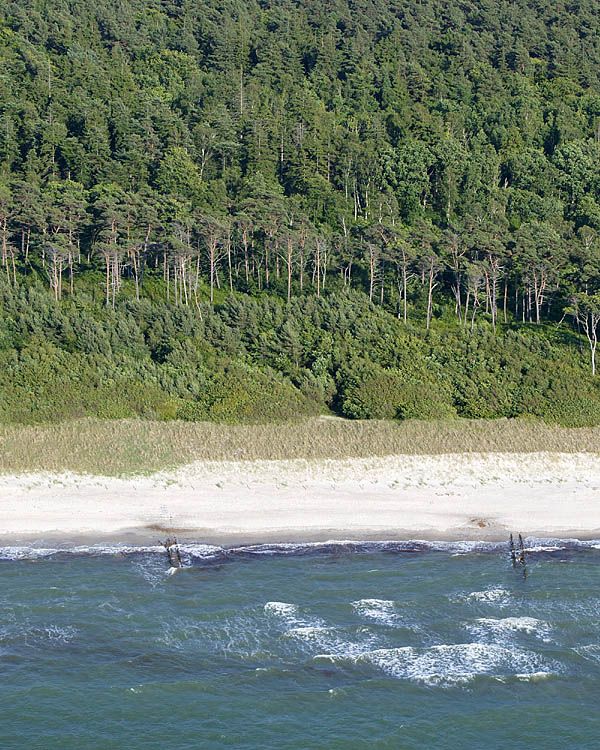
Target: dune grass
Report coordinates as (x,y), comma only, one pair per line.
(124,447)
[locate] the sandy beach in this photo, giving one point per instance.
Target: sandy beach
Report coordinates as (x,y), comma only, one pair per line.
(445,497)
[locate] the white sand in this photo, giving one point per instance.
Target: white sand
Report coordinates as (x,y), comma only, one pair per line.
(460,496)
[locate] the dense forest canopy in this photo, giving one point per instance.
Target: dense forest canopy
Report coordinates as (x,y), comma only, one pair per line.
(419,166)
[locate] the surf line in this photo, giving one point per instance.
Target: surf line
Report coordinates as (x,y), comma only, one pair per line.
(174,554)
(517,554)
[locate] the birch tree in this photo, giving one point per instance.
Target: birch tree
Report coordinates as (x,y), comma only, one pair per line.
(585,308)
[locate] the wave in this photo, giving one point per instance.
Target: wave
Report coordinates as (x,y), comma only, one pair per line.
(38,636)
(313,634)
(489,627)
(534,676)
(233,634)
(452,663)
(330,640)
(590,652)
(192,551)
(378,610)
(500,597)
(289,613)
(26,553)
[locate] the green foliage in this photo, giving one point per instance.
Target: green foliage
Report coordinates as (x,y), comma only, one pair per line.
(259,361)
(250,211)
(370,392)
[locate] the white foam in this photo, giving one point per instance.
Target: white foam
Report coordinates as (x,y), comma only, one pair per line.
(202,551)
(33,553)
(545,548)
(492,596)
(295,548)
(452,663)
(151,569)
(238,635)
(241,635)
(312,634)
(378,610)
(331,641)
(114,549)
(320,638)
(25,553)
(49,634)
(209,551)
(590,652)
(495,628)
(281,609)
(289,618)
(173,635)
(308,632)
(58,633)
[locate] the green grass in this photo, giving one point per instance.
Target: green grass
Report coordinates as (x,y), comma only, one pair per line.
(124,447)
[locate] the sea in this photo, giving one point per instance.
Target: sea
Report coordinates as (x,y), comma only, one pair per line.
(342,645)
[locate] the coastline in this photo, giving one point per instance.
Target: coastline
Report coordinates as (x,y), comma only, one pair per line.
(448,497)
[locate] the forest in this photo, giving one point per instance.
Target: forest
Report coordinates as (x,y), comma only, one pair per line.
(254,211)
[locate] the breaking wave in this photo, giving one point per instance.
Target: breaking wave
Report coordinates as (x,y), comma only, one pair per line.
(193,551)
(378,610)
(454,663)
(489,627)
(493,596)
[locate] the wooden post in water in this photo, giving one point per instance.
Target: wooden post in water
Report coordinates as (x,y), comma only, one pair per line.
(513,556)
(173,552)
(522,559)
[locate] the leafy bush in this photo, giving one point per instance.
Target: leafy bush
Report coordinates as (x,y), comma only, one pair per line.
(258,360)
(371,392)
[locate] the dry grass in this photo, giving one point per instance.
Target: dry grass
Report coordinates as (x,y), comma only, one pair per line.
(135,447)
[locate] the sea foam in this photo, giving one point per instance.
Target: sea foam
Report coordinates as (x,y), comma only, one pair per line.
(452,663)
(378,610)
(489,627)
(198,551)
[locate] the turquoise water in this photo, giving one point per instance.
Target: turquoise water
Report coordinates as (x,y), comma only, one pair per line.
(331,646)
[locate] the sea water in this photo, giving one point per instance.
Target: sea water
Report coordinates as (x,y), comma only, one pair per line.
(340,645)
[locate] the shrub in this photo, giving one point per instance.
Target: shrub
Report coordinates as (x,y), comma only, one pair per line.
(371,392)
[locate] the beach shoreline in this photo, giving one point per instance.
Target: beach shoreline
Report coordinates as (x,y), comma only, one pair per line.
(450,497)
